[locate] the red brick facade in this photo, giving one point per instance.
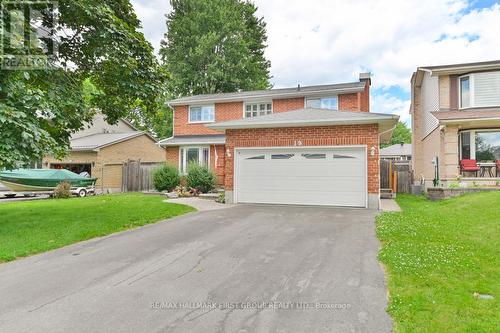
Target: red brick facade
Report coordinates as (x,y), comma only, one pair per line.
(223,112)
(234,110)
(306,136)
(217,162)
(222,164)
(287,104)
(356,101)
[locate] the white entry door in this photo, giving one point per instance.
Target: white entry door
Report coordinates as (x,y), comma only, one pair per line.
(302,176)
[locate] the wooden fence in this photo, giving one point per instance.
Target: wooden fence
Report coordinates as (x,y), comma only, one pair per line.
(396,175)
(138,176)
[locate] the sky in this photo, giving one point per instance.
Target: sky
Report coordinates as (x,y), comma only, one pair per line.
(331,41)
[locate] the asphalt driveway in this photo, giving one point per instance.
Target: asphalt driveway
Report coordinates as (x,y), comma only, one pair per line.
(242,269)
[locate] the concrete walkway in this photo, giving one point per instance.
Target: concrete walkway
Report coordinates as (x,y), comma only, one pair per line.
(389,205)
(200,204)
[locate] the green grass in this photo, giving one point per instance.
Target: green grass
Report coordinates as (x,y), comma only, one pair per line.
(437,255)
(30,227)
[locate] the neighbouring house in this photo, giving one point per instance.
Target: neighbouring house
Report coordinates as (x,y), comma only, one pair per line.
(315,145)
(456,119)
(398,152)
(101,150)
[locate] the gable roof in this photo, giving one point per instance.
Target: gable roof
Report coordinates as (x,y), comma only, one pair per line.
(454,69)
(307,91)
(101,140)
(462,68)
(313,117)
(397,150)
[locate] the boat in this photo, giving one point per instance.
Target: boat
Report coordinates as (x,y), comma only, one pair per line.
(42,180)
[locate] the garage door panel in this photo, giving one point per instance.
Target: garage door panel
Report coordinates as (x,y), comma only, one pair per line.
(310,176)
(353,199)
(291,183)
(303,169)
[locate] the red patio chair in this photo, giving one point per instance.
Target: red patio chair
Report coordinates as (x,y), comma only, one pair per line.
(469,166)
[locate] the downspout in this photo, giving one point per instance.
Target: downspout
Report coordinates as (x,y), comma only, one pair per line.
(159,142)
(216,157)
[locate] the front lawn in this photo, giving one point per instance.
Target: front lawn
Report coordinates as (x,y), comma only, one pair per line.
(437,256)
(29,227)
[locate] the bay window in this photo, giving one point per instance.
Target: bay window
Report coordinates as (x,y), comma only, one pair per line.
(331,103)
(480,145)
(202,114)
(198,155)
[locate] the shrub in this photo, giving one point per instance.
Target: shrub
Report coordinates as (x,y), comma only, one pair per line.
(200,178)
(221,198)
(62,190)
(166,178)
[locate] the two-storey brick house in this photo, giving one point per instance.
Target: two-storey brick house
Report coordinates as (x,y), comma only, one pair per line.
(302,145)
(456,122)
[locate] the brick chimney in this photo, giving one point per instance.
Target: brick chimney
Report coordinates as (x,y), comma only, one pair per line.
(364,97)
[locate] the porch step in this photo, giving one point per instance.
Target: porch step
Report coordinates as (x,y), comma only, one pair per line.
(386,193)
(210,196)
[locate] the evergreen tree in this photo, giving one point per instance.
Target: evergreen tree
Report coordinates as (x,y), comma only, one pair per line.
(214,46)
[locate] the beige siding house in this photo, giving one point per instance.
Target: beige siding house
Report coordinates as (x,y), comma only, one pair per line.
(456,120)
(101,150)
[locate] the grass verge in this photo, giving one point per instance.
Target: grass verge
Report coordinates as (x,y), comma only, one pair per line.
(437,256)
(29,227)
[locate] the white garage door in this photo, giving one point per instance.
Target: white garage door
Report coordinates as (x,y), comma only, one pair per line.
(303,176)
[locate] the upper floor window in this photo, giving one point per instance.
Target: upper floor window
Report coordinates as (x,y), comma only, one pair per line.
(258,109)
(331,103)
(202,114)
(464,92)
(480,90)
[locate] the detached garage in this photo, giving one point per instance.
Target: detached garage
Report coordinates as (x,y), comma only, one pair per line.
(306,157)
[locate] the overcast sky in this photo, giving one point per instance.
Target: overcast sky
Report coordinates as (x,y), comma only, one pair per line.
(331,41)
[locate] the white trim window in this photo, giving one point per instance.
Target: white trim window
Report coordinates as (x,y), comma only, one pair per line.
(479,90)
(330,103)
(202,114)
(465,92)
(257,109)
(188,155)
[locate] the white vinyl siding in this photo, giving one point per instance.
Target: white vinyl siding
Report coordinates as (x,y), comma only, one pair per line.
(430,103)
(486,89)
(483,90)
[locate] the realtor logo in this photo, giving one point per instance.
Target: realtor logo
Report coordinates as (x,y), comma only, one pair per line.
(28,34)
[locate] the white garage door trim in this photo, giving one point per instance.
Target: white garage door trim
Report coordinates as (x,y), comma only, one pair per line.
(236,160)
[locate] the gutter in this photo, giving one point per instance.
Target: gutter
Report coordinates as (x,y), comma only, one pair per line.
(460,120)
(276,96)
(298,123)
